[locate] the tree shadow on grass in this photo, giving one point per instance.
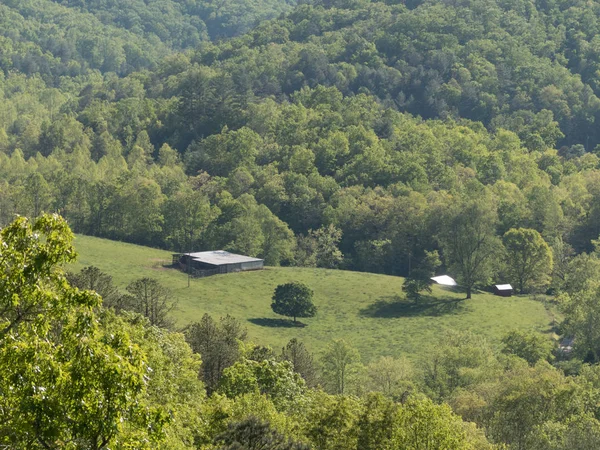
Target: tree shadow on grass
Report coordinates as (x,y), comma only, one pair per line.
(276,323)
(396,306)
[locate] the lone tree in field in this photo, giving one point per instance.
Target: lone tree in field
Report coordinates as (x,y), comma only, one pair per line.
(293,300)
(419,278)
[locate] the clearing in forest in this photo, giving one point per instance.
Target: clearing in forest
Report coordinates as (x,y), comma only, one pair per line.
(367,310)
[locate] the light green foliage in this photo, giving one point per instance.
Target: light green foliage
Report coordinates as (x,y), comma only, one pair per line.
(582,315)
(528,259)
(172,374)
(532,347)
(276,380)
(420,420)
(527,399)
(460,359)
(65,377)
(330,421)
(338,364)
(577,433)
(392,377)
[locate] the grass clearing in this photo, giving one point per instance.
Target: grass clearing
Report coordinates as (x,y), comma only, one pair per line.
(366,310)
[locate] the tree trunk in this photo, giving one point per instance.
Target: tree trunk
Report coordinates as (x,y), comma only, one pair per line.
(468,292)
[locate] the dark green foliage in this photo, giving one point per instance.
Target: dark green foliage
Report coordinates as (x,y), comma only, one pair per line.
(254,434)
(419,278)
(302,361)
(93,279)
(293,300)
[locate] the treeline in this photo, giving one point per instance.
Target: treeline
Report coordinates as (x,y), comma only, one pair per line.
(304,180)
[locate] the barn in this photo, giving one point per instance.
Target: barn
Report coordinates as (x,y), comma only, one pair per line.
(503,290)
(216,262)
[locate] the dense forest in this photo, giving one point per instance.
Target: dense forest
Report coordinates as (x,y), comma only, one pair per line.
(391,137)
(355,122)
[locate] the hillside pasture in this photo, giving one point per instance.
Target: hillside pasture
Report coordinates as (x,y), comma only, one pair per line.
(367,310)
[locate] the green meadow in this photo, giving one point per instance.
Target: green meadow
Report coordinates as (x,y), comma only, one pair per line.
(367,310)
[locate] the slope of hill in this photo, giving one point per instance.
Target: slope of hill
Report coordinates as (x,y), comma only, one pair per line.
(66,38)
(361,308)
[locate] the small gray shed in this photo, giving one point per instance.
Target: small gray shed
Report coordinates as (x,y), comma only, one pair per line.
(217,261)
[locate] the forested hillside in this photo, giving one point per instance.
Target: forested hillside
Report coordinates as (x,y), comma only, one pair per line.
(67,38)
(406,138)
(314,121)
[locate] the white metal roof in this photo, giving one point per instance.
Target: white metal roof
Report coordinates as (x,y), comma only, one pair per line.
(504,287)
(221,257)
(445,280)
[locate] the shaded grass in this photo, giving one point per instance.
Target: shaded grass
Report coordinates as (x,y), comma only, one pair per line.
(267,322)
(396,307)
(367,310)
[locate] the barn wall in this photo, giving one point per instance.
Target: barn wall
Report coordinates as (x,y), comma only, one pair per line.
(252,265)
(234,267)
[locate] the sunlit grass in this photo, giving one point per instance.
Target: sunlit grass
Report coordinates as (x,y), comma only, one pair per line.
(367,310)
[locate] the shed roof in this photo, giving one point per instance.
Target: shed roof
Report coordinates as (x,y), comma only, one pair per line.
(503,287)
(221,257)
(445,280)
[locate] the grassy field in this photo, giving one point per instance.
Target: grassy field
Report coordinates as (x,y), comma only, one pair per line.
(364,309)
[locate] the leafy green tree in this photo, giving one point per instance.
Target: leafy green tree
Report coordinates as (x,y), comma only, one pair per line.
(528,258)
(421,420)
(376,423)
(254,434)
(419,278)
(392,377)
(459,360)
(65,377)
(528,399)
(275,379)
(37,195)
(468,240)
(219,345)
(582,315)
(532,347)
(93,279)
(293,300)
(338,362)
(302,361)
(152,300)
(580,432)
(188,214)
(330,420)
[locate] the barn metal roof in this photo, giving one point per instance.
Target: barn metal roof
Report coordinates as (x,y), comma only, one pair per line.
(504,287)
(221,257)
(445,280)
